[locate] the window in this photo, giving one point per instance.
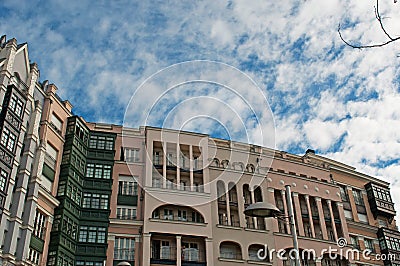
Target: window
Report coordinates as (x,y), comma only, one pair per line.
(358,199)
(343,193)
(382,223)
(56,123)
(363,218)
(382,194)
(126,213)
(348,214)
(51,151)
(128,188)
(95,201)
(101,143)
(3,180)
(369,244)
(34,256)
(98,171)
(354,242)
(8,139)
(124,249)
(92,234)
(190,251)
(157,158)
(16,105)
(182,215)
(131,155)
(168,214)
(39,226)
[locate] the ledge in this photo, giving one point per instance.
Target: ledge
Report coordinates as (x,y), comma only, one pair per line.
(177,222)
(231,260)
(229,227)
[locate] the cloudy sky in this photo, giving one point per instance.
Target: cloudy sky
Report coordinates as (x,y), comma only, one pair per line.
(342,102)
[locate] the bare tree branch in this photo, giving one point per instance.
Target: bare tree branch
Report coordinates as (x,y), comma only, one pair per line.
(379,18)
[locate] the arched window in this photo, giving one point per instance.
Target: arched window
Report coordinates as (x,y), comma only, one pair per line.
(225,163)
(255,255)
(215,162)
(250,168)
(230,250)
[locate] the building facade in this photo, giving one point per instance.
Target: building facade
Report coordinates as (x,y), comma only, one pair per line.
(80,193)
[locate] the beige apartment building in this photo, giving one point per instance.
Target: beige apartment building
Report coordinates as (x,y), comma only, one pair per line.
(80,193)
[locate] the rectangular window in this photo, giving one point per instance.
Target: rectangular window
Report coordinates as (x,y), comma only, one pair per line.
(168,214)
(358,199)
(34,256)
(98,171)
(101,143)
(182,215)
(3,180)
(126,213)
(369,245)
(354,242)
(124,249)
(16,105)
(51,151)
(56,123)
(348,214)
(83,233)
(8,139)
(343,193)
(128,188)
(131,155)
(363,218)
(40,225)
(92,235)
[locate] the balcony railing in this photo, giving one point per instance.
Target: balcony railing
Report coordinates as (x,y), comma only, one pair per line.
(124,254)
(188,219)
(233,223)
(163,255)
(230,255)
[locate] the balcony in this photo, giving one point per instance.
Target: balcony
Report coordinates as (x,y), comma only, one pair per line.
(164,255)
(389,242)
(380,201)
(130,200)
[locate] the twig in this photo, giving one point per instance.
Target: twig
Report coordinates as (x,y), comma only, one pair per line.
(379,18)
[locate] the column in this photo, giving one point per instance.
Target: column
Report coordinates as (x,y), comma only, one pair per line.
(209,252)
(253,201)
(343,221)
(310,216)
(296,203)
(178,167)
(332,219)
(367,208)
(138,246)
(164,181)
(191,167)
(352,204)
(287,224)
(239,190)
(270,197)
(178,250)
(146,248)
(228,209)
(321,218)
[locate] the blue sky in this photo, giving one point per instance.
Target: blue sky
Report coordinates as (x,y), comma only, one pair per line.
(342,102)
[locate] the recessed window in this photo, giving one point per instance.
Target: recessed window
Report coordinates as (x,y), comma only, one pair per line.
(3,180)
(131,155)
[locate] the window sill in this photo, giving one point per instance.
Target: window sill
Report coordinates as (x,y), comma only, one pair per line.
(231,260)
